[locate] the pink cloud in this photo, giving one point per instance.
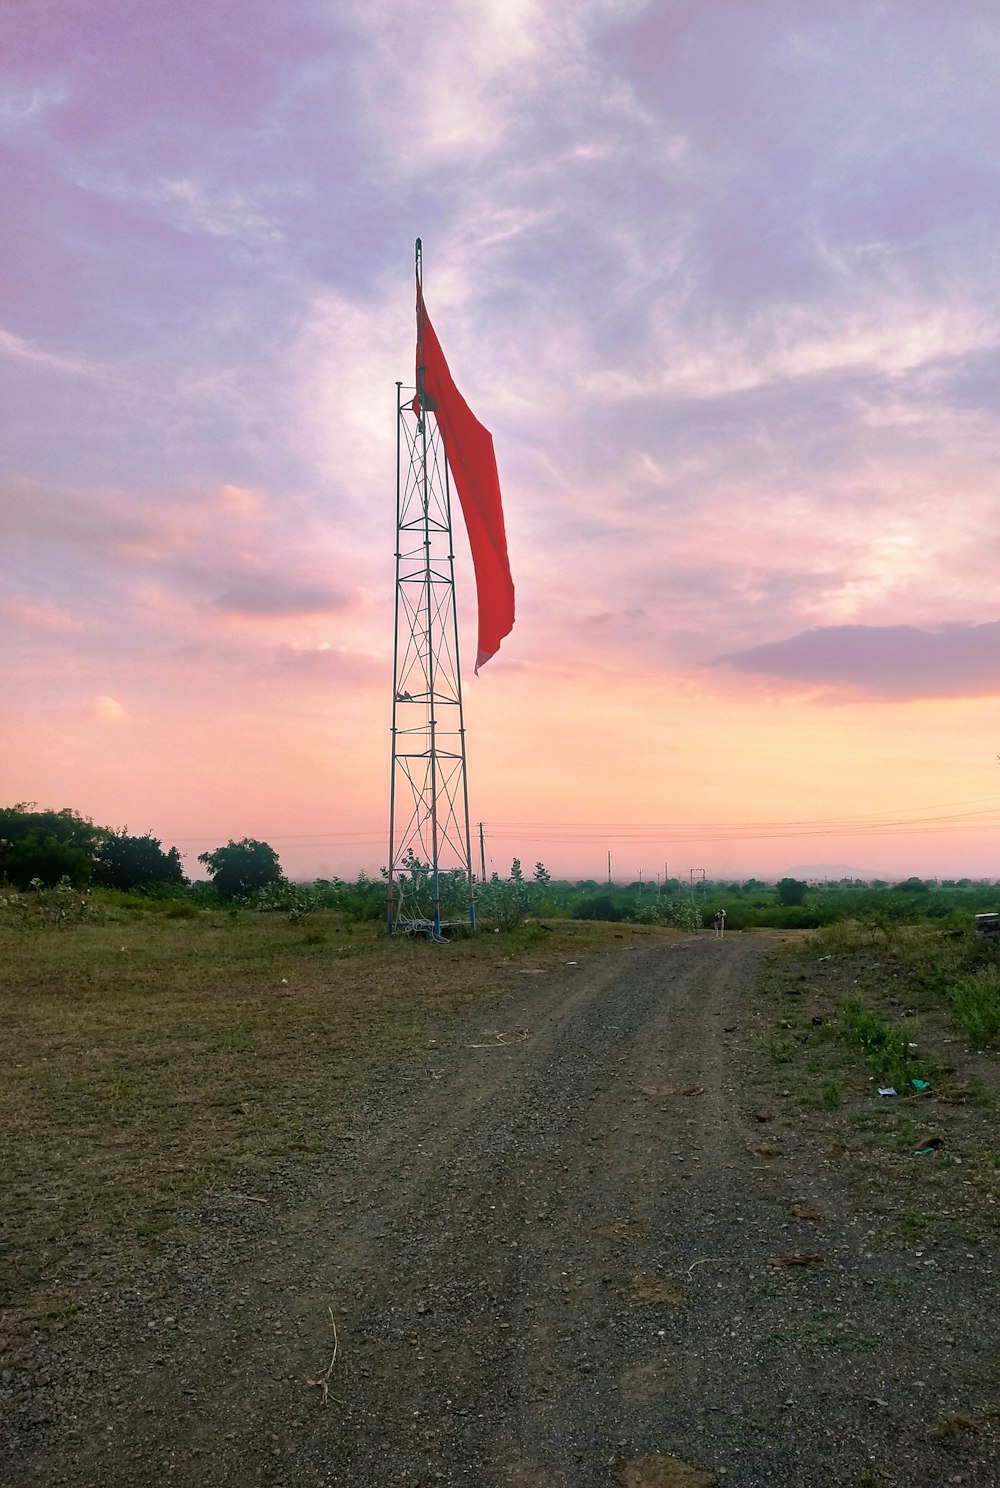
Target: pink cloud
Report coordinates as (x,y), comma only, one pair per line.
(33,616)
(331,664)
(106,709)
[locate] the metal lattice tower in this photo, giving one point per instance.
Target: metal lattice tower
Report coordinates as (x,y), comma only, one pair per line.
(430,851)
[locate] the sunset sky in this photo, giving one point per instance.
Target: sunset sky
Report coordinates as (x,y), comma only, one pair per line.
(722,278)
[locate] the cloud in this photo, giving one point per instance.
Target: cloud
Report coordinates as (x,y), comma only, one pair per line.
(189,205)
(462,89)
(26,351)
(874,335)
(34,616)
(264,594)
(328,663)
(229,214)
(24,103)
(341,405)
(239,501)
(887,661)
(107,709)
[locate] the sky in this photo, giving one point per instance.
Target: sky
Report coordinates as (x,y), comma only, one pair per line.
(720,276)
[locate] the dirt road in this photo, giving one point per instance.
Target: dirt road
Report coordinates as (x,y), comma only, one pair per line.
(547,1250)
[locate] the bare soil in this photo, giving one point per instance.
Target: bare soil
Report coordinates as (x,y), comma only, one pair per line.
(583,1239)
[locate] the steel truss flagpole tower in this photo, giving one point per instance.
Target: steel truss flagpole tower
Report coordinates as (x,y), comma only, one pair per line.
(430,849)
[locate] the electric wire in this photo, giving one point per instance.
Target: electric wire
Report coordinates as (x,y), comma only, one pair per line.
(866,825)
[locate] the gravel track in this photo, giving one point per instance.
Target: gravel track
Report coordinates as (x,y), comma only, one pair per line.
(548,1258)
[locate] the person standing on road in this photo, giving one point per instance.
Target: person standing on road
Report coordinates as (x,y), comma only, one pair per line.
(720,923)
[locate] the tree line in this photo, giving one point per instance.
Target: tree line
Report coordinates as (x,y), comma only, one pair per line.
(48,847)
(43,848)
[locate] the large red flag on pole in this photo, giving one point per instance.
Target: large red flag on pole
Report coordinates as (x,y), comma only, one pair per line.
(469,450)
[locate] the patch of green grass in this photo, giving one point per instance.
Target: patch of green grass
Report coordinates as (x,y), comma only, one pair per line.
(843,938)
(831,1096)
(154,1226)
(236,1040)
(896,1284)
(975,1006)
(826,1336)
(781,1051)
(884,1046)
(401,1031)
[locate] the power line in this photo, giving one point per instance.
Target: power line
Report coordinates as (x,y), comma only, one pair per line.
(869,823)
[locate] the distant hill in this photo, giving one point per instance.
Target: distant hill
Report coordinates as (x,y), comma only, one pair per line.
(833,871)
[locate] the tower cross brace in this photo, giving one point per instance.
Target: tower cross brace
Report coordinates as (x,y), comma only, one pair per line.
(430,851)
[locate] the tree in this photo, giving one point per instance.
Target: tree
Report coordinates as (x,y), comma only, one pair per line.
(791,890)
(48,845)
(242,868)
(125,862)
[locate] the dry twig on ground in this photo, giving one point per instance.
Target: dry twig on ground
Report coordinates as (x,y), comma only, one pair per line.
(323,1380)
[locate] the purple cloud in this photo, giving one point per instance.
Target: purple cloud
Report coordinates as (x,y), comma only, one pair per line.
(890,661)
(262,594)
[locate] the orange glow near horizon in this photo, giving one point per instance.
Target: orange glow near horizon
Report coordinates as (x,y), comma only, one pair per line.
(672,773)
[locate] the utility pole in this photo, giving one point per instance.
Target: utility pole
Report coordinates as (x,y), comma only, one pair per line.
(482,854)
(640,883)
(609,865)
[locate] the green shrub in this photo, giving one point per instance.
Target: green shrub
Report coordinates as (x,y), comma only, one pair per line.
(292,900)
(179,909)
(975,1006)
(60,906)
(502,903)
(662,911)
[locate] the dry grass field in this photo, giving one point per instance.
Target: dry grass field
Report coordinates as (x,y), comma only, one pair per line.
(231,1136)
(146,1058)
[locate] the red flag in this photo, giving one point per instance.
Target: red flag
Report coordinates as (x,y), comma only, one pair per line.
(469,450)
